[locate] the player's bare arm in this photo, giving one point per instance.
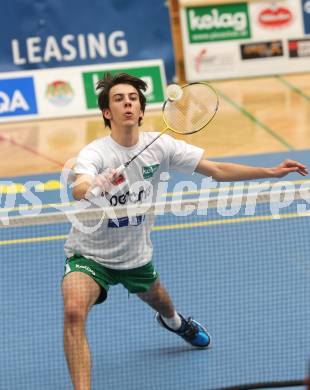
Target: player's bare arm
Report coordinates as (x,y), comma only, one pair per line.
(84,184)
(221,171)
(81,185)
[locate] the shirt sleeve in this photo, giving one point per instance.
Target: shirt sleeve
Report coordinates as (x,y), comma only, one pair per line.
(183,157)
(88,161)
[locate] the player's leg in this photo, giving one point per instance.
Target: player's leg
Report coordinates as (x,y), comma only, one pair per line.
(189,329)
(158,298)
(80,292)
(144,281)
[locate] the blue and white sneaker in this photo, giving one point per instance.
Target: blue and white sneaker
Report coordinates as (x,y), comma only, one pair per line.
(191,331)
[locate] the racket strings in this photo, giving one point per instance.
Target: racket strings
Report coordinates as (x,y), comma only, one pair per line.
(193,111)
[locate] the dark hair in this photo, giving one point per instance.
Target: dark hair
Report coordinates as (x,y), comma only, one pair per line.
(108,81)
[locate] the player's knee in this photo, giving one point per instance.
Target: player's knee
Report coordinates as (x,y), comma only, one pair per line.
(74,313)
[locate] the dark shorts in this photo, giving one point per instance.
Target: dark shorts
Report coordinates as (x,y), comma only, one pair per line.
(135,280)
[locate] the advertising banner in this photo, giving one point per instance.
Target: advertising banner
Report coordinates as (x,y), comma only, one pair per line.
(245,39)
(271,20)
(299,48)
(150,74)
(218,22)
(59,92)
(36,35)
(17,97)
(64,92)
(306,15)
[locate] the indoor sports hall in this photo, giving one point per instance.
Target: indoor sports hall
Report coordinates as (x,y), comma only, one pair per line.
(234,255)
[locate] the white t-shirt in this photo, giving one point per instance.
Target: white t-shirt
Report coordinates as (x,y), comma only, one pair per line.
(126,243)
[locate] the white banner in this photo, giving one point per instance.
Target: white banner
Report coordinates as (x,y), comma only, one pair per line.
(244,39)
(70,91)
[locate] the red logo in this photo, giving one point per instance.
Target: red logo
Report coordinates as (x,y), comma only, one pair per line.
(275,17)
(292,45)
(199,58)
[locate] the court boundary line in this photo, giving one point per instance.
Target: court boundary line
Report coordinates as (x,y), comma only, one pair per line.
(255,120)
(187,225)
(292,87)
(4,138)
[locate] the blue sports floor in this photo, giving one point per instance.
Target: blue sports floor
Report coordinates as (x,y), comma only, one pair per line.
(247,280)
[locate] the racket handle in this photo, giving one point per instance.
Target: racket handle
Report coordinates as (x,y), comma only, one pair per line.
(120,169)
(96,191)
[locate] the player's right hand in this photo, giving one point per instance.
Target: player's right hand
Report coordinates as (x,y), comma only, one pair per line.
(105,180)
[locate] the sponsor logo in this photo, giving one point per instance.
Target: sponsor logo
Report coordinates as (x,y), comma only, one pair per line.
(149,171)
(150,74)
(59,93)
(217,61)
(299,47)
(17,97)
(126,221)
(131,196)
(199,58)
(218,23)
(256,50)
(306,6)
(86,268)
(69,47)
(275,16)
(306,15)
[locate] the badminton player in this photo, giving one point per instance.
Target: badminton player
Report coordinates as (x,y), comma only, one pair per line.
(122,252)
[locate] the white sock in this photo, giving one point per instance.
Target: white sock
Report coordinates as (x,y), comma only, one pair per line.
(174,322)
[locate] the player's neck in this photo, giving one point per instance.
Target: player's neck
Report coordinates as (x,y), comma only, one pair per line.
(127,136)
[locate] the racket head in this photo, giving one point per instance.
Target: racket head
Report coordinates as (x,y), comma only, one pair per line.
(191,112)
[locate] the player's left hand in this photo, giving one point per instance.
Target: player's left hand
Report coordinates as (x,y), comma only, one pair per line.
(289,166)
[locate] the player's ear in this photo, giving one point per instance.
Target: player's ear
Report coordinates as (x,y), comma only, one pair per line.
(106,113)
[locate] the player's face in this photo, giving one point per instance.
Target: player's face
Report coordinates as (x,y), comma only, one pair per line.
(125,108)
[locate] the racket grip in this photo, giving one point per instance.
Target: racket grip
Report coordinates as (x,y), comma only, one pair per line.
(120,169)
(96,191)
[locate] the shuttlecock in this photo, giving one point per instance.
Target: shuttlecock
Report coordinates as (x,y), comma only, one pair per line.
(174,92)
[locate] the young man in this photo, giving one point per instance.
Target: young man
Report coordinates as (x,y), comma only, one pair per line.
(121,252)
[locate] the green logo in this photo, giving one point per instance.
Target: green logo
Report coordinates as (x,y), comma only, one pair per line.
(218,23)
(149,171)
(150,74)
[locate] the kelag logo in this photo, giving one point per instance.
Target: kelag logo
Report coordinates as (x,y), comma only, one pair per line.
(149,171)
(306,14)
(17,97)
(218,22)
